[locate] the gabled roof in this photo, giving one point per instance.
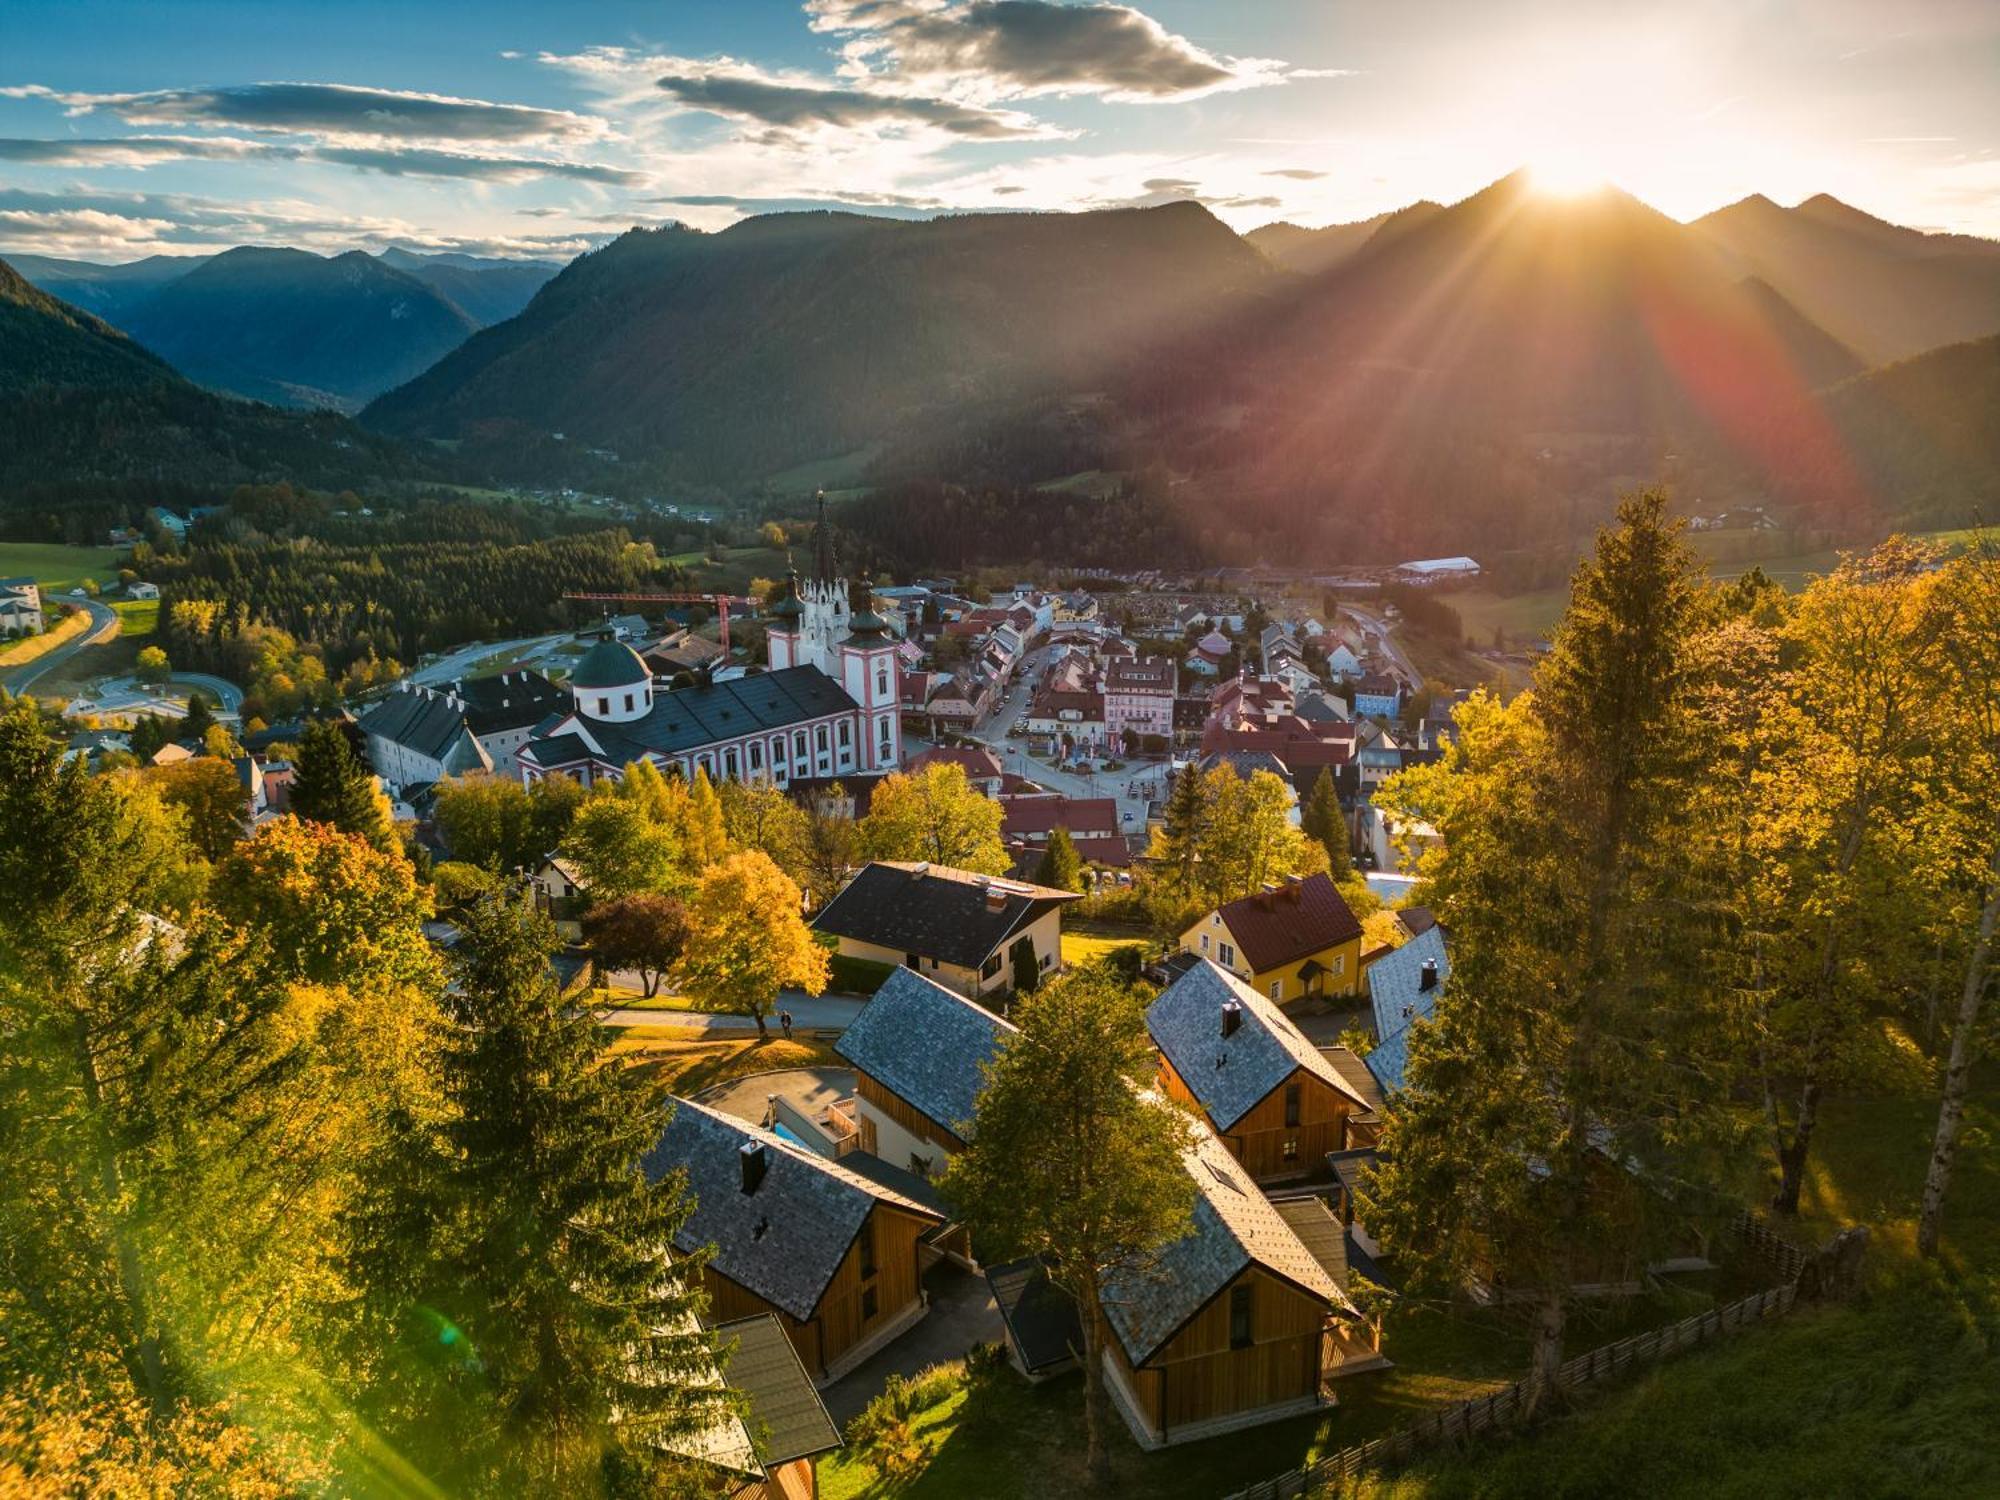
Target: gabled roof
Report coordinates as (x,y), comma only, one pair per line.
(927,1046)
(1278,926)
(954,916)
(1395,990)
(708,713)
(1228,1075)
(515,699)
(1234,1227)
(785,1241)
(426,724)
(786,1420)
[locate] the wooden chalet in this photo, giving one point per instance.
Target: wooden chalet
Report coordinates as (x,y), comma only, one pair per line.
(1277,1103)
(1242,1320)
(832,1253)
(770,1451)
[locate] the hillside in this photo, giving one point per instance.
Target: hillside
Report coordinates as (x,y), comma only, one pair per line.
(488,291)
(45,342)
(112,292)
(298,329)
(793,337)
(1310,251)
(1886,291)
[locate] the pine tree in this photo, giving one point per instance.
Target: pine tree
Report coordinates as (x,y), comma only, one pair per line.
(1323,822)
(200,718)
(1060,868)
(332,786)
(550,1339)
(1176,849)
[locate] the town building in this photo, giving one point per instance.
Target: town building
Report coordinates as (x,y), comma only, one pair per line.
(1029,817)
(1431,570)
(964,930)
(1139,701)
(1293,940)
(20,607)
(836,1256)
(1378,696)
(416,737)
(1271,1097)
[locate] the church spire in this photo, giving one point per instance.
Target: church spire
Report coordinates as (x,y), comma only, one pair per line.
(824,572)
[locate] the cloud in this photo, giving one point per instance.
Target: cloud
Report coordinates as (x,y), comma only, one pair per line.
(397,161)
(335,109)
(1017,48)
(886,205)
(1297,174)
(794,107)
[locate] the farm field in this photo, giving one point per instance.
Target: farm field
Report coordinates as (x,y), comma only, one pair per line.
(58,569)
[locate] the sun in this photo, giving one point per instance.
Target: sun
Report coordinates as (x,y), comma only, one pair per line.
(1566,174)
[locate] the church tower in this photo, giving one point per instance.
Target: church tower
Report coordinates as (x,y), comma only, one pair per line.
(825,615)
(870,671)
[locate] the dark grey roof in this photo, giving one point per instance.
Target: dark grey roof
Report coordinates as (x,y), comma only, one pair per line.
(1041,1317)
(934,910)
(426,724)
(1228,1075)
(786,1419)
(1324,1236)
(1395,990)
(783,1242)
(515,699)
(926,1045)
(558,750)
(609,664)
(1234,1226)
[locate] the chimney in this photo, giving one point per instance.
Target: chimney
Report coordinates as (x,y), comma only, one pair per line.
(1232,1017)
(996,899)
(1428,980)
(755,1161)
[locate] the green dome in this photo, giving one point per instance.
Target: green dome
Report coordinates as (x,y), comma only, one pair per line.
(787,608)
(868,623)
(610,664)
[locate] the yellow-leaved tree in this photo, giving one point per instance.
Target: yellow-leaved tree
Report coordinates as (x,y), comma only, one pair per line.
(747,941)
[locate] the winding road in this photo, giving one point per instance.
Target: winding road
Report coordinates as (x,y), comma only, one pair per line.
(103,626)
(454,665)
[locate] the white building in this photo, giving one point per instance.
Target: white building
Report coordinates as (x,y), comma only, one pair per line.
(20,607)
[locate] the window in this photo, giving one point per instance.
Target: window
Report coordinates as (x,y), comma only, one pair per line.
(885,734)
(1277,989)
(799,744)
(820,736)
(1291,1149)
(729,764)
(882,682)
(603,707)
(628,703)
(1227,954)
(1339,964)
(756,756)
(991,967)
(868,1246)
(1204,942)
(846,734)
(868,1302)
(920,1165)
(1239,1316)
(1292,1102)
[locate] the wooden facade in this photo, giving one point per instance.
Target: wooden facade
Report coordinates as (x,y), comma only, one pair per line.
(878,1281)
(1260,1342)
(896,1108)
(1288,1132)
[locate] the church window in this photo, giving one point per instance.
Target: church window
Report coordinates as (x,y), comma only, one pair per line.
(882,682)
(799,744)
(603,707)
(846,734)
(756,756)
(820,737)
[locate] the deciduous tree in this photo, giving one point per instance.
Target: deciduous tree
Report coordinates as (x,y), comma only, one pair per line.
(212,796)
(937,815)
(647,932)
(746,939)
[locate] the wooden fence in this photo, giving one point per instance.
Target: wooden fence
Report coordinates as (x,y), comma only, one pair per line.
(1509,1406)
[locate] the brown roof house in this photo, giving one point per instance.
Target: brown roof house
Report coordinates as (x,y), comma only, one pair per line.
(1275,1101)
(1292,940)
(968,932)
(832,1253)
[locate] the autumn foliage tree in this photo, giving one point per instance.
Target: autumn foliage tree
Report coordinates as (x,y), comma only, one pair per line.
(646,932)
(746,939)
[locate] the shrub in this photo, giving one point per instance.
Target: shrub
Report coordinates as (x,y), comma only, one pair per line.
(856,976)
(885,1434)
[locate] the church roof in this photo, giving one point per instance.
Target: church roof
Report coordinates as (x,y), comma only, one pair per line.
(690,718)
(610,664)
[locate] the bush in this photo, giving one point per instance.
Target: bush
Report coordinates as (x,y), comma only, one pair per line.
(459,884)
(885,1433)
(856,976)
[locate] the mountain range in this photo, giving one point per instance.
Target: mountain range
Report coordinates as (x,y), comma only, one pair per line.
(294,328)
(1481,374)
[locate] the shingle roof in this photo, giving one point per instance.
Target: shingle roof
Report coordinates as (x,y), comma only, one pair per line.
(708,713)
(785,1241)
(1395,990)
(786,1419)
(926,1045)
(1041,1317)
(1276,927)
(426,724)
(1324,1236)
(514,699)
(934,910)
(1234,1227)
(1228,1075)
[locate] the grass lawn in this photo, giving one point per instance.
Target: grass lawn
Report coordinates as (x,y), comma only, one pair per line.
(1084,942)
(59,568)
(687,1060)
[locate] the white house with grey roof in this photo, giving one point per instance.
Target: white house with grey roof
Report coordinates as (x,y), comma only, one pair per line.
(834,1253)
(416,736)
(20,607)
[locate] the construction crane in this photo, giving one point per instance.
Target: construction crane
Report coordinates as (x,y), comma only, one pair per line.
(720,601)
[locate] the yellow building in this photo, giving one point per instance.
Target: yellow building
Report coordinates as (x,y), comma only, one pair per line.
(1293,941)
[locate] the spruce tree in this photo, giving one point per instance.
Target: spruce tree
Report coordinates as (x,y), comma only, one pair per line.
(200,718)
(333,786)
(550,1339)
(1060,868)
(1325,824)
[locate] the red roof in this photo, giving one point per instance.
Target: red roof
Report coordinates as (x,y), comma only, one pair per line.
(1039,812)
(979,765)
(1276,927)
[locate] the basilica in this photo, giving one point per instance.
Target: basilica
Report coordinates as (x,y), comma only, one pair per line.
(825,708)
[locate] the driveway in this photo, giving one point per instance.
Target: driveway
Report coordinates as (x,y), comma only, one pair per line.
(103,626)
(963,1313)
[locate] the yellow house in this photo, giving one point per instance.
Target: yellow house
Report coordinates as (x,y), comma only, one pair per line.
(960,929)
(1289,942)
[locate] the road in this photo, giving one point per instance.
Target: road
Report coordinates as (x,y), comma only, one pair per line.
(456,664)
(103,626)
(809,1013)
(1378,627)
(129,695)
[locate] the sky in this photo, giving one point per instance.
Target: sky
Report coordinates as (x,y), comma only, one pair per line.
(138,127)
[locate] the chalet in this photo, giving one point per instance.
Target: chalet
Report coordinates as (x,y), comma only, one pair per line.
(680,650)
(961,929)
(20,607)
(1289,941)
(919,1052)
(768,1452)
(1271,1096)
(1208,654)
(1403,990)
(1243,1320)
(833,1254)
(140,589)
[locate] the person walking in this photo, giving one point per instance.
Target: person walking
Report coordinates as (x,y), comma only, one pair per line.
(785,1023)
